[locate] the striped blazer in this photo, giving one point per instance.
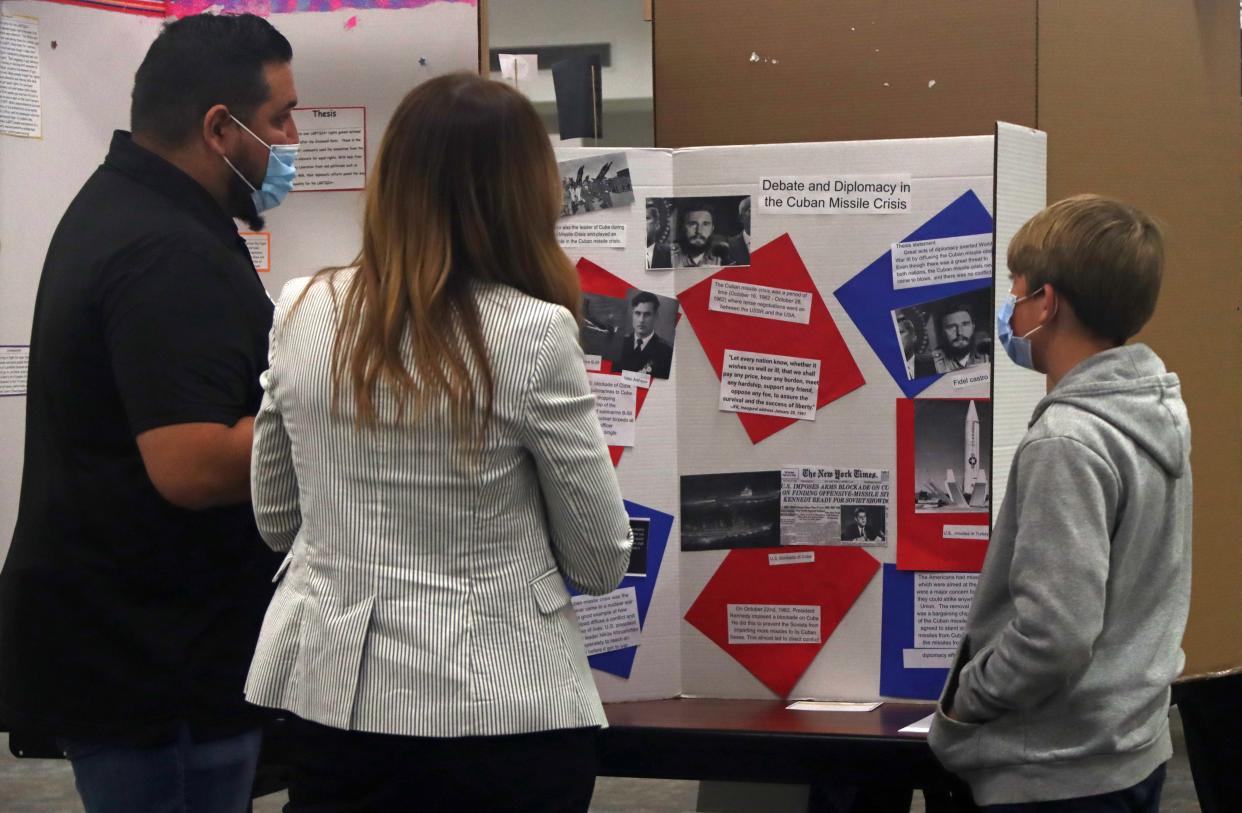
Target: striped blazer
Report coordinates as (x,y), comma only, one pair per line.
(423,592)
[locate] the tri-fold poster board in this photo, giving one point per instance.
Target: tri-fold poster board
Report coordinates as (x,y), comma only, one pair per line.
(790,345)
(792,352)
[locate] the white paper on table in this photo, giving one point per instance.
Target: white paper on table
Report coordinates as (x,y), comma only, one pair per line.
(919,726)
(831,705)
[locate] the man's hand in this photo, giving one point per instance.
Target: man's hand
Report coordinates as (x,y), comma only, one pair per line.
(199,465)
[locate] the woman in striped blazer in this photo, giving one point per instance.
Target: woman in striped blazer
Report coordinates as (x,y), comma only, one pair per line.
(428,454)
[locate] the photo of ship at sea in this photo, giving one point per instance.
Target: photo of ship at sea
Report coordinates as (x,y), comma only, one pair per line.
(952,455)
(737,510)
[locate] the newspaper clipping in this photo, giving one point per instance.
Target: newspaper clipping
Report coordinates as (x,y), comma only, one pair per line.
(828,505)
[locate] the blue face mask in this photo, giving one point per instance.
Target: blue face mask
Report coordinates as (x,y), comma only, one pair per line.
(278,179)
(1018,348)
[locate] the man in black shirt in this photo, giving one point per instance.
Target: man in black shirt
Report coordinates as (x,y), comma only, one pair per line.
(133,592)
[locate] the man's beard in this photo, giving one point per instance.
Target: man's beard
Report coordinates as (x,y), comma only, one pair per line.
(241,205)
(962,351)
(691,249)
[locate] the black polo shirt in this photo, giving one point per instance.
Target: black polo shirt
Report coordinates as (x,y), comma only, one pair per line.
(120,612)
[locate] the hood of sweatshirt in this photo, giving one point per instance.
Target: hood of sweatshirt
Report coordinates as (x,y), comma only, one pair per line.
(1129,388)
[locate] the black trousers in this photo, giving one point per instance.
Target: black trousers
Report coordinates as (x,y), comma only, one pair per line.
(1211,710)
(336,771)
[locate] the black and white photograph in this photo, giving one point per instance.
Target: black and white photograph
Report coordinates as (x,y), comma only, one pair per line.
(635,333)
(861,524)
(723,511)
(648,343)
(641,527)
(604,325)
(698,231)
(945,335)
(952,455)
(598,182)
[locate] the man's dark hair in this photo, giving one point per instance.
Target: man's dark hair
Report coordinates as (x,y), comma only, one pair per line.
(695,206)
(645,296)
(961,306)
(201,61)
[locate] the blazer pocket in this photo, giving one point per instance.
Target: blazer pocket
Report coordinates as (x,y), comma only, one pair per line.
(330,660)
(549,591)
(284,565)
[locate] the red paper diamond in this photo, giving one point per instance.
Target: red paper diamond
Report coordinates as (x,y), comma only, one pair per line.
(834,581)
(776,265)
(597,280)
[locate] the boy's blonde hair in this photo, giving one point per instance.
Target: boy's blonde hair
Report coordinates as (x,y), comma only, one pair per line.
(1105,257)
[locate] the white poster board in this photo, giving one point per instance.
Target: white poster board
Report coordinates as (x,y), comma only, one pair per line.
(683,429)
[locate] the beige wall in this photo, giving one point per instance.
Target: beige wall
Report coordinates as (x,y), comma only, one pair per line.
(1140,99)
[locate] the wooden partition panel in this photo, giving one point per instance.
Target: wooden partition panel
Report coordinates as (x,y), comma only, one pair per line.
(1140,101)
(850,69)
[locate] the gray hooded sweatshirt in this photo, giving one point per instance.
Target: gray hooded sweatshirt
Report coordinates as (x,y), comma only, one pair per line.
(1061,686)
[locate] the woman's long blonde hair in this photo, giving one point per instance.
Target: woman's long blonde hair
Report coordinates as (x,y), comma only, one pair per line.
(464,190)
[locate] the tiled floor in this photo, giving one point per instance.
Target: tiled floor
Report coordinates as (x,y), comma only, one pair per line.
(46,786)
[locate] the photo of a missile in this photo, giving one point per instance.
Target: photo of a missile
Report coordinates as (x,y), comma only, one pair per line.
(946,431)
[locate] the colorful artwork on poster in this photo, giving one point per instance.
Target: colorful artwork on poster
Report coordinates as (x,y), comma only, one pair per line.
(143,8)
(602,286)
(908,328)
(924,618)
(773,610)
(756,331)
(944,490)
(644,571)
(264,8)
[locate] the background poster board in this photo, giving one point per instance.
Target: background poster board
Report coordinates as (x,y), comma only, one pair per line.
(87,58)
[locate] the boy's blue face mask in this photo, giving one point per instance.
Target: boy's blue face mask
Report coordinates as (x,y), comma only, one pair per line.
(278,179)
(1018,348)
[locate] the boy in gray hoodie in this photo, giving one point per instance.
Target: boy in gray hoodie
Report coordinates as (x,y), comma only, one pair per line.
(1058,698)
